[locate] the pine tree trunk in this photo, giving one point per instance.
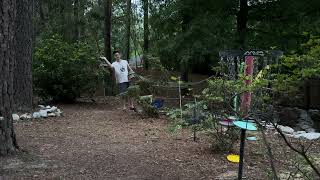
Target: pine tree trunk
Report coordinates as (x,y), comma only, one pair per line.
(128,30)
(107,42)
(67,13)
(24,47)
(8,142)
(76,9)
(242,20)
(145,33)
(186,18)
(107,26)
(82,24)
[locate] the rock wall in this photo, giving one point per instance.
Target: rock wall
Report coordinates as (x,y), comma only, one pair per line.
(299,119)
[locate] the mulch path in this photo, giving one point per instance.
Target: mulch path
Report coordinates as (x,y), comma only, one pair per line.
(97,141)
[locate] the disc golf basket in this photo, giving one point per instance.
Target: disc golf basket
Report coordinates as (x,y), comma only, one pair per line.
(249,63)
(195,117)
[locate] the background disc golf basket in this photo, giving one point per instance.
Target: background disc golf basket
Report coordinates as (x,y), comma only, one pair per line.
(249,63)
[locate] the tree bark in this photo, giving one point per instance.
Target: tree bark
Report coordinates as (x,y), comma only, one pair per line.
(78,14)
(107,26)
(145,33)
(68,25)
(8,143)
(107,40)
(76,9)
(24,47)
(128,30)
(242,20)
(184,66)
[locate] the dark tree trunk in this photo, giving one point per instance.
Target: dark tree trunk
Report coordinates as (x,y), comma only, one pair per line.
(82,24)
(128,30)
(100,3)
(242,20)
(76,9)
(8,143)
(186,18)
(67,11)
(145,33)
(24,48)
(107,40)
(41,13)
(78,13)
(107,26)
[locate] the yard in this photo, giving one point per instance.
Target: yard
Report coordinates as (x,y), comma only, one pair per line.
(97,141)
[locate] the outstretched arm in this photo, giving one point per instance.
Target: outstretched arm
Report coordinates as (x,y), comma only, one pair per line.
(130,68)
(106,60)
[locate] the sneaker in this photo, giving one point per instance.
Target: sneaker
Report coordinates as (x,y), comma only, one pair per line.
(133,109)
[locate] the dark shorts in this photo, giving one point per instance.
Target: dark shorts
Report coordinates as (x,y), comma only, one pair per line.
(123,87)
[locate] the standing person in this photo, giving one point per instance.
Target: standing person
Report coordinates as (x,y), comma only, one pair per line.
(121,72)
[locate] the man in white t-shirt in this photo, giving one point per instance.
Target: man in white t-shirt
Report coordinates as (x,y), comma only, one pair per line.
(121,72)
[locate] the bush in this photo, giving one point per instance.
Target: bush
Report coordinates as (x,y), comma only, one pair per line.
(62,71)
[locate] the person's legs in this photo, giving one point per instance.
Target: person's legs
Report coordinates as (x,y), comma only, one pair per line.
(123,88)
(129,99)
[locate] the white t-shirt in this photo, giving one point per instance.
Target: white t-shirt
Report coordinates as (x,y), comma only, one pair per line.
(121,70)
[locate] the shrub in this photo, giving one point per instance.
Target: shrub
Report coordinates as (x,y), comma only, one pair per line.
(62,71)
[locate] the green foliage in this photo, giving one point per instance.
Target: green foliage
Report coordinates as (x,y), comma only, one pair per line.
(133,92)
(194,115)
(62,71)
(295,68)
(223,140)
(191,32)
(147,109)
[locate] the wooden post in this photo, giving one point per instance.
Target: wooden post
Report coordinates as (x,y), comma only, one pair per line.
(245,105)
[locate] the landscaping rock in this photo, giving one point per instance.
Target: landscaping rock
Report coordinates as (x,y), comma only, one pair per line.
(286,129)
(300,119)
(52,109)
(43,113)
(58,113)
(36,115)
(289,117)
(25,116)
(52,115)
(15,117)
(304,121)
(315,116)
(309,136)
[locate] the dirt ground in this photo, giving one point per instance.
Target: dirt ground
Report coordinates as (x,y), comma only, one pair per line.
(97,141)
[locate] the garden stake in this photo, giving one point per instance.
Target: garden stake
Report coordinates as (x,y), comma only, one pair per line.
(242,143)
(180,98)
(194,119)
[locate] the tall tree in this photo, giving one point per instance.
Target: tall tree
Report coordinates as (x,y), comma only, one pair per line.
(242,20)
(186,12)
(24,47)
(128,30)
(76,15)
(107,26)
(145,32)
(107,41)
(68,24)
(8,143)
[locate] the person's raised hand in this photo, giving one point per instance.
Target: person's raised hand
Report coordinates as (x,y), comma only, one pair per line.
(103,58)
